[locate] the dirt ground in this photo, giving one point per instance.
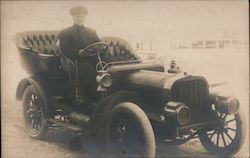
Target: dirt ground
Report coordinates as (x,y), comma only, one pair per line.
(17,144)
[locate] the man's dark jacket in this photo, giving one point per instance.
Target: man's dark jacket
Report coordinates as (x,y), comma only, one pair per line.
(74,38)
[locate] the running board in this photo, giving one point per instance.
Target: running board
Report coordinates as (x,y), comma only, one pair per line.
(66,125)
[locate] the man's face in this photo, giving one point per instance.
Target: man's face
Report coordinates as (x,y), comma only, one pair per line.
(79,18)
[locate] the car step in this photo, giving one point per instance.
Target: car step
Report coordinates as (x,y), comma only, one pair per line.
(66,125)
(79,118)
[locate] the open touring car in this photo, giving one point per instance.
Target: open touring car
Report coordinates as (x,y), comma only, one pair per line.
(134,100)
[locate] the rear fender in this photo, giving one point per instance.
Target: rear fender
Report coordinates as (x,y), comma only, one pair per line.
(41,90)
(23,84)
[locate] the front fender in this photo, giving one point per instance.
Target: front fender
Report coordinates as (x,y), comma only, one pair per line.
(98,120)
(111,101)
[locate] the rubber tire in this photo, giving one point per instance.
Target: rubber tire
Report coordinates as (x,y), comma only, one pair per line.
(41,134)
(232,148)
(142,121)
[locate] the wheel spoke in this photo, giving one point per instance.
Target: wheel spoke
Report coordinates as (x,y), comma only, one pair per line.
(33,97)
(229,136)
(120,125)
(37,122)
(33,102)
(218,137)
(30,103)
(223,138)
(119,130)
(211,135)
(231,129)
(30,117)
(38,125)
(124,126)
(230,120)
(29,112)
(33,123)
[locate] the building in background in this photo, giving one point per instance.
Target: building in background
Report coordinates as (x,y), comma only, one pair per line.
(188,44)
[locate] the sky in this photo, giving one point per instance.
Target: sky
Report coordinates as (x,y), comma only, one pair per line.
(135,20)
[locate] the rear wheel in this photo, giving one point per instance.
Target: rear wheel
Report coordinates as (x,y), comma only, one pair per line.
(129,132)
(227,137)
(35,123)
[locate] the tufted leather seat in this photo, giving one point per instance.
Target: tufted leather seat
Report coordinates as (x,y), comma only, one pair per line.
(45,42)
(119,50)
(42,41)
(39,52)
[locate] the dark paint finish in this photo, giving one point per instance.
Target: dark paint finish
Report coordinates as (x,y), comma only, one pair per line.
(143,83)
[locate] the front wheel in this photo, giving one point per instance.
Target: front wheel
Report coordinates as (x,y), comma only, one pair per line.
(129,132)
(227,137)
(35,123)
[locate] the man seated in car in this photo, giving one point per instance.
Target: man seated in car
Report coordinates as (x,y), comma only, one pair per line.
(75,38)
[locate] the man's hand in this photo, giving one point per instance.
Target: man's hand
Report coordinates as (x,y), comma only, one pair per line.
(81,52)
(86,52)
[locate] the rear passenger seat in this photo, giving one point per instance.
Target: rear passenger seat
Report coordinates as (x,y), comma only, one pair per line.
(42,41)
(39,52)
(45,54)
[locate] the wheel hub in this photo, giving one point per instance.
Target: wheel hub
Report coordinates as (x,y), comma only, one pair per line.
(222,123)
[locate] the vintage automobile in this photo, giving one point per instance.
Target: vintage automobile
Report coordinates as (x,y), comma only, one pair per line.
(135,100)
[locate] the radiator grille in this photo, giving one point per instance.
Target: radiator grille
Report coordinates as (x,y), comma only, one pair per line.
(194,93)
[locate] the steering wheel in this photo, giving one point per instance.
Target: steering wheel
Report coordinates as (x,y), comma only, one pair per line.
(101,66)
(94,49)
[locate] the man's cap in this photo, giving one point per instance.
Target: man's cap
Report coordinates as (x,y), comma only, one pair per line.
(78,9)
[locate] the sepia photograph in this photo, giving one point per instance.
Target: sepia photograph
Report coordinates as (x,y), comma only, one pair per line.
(125,78)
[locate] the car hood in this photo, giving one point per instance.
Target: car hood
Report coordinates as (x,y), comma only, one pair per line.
(153,79)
